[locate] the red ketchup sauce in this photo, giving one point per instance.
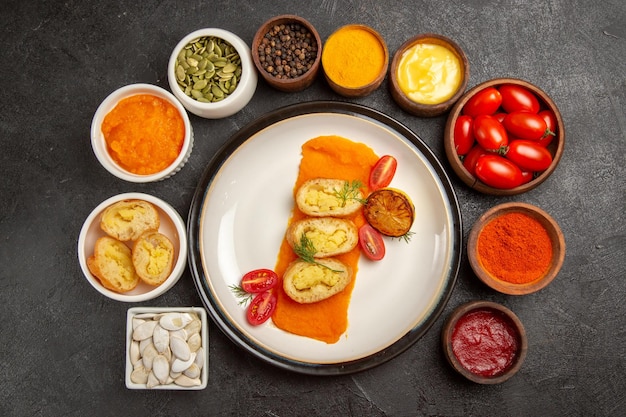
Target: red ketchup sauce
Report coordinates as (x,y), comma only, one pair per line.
(485,342)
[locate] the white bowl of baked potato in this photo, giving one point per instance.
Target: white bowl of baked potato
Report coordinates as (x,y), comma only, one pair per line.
(133,247)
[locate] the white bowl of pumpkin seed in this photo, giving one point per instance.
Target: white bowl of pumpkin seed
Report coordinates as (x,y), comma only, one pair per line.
(212,74)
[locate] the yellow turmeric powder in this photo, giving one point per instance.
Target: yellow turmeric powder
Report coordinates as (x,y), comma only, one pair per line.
(353,56)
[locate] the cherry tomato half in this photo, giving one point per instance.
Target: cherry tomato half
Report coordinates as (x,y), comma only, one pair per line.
(529,155)
(498,172)
(525,125)
(550,119)
(518,98)
(371,242)
(469,162)
(259,280)
(261,308)
(490,133)
(486,101)
(463,135)
(382,173)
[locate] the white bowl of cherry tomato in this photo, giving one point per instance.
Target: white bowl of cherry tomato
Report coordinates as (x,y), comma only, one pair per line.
(504,137)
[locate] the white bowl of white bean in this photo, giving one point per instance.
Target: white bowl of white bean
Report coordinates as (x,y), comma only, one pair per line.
(212,74)
(167,348)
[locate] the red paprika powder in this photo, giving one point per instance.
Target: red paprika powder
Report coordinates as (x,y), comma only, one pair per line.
(515,247)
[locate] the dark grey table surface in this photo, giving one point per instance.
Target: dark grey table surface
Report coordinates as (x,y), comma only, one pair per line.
(62,350)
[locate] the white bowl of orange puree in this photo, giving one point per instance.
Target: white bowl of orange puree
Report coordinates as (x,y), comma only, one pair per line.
(141,133)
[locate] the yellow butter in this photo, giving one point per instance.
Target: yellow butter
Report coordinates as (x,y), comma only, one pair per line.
(428,73)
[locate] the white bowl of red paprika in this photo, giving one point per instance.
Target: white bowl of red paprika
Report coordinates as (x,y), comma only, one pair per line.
(504,137)
(484,341)
(516,248)
(141,133)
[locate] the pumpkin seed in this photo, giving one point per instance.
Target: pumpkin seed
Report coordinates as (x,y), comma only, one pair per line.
(208,69)
(180,73)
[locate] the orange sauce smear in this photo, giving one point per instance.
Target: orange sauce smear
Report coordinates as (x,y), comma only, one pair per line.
(323,157)
(144,134)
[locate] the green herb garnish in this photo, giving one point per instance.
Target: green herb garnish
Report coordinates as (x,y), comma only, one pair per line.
(244,297)
(406,237)
(306,251)
(350,191)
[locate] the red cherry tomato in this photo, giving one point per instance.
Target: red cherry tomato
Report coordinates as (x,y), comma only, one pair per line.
(371,242)
(486,101)
(469,162)
(498,172)
(489,133)
(518,98)
(529,155)
(527,176)
(463,135)
(259,280)
(382,173)
(550,119)
(261,308)
(525,125)
(499,116)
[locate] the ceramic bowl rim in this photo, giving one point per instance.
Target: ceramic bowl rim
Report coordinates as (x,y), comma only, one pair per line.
(99,145)
(446,341)
(177,270)
(547,221)
(285,84)
(368,88)
(420,109)
(473,182)
(204,376)
(235,101)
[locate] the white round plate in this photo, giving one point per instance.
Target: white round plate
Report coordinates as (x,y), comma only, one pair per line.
(241,209)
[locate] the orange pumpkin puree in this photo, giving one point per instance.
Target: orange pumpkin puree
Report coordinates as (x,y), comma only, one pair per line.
(323,157)
(144,133)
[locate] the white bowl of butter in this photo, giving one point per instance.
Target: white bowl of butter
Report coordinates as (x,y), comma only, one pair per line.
(428,74)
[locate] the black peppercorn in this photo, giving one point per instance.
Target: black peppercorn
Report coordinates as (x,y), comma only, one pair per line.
(287,51)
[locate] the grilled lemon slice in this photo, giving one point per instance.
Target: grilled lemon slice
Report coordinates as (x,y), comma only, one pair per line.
(389,211)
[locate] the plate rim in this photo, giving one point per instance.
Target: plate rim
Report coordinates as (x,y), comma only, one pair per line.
(239,138)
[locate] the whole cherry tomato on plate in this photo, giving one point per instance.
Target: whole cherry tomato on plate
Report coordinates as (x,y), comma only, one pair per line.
(463,135)
(525,125)
(486,101)
(529,155)
(382,173)
(471,158)
(371,242)
(490,133)
(498,172)
(261,308)
(550,119)
(518,98)
(259,280)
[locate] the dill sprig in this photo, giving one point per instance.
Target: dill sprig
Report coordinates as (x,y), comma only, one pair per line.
(244,297)
(306,251)
(350,191)
(406,237)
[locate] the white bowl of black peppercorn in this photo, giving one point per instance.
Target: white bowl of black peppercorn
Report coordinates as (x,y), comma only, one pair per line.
(287,51)
(223,95)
